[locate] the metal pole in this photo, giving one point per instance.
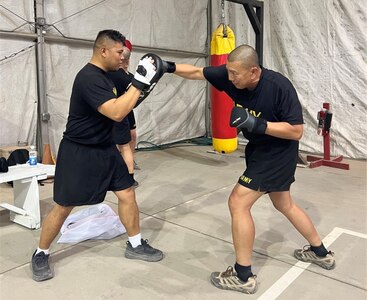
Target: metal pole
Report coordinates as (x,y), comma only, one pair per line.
(49,38)
(43,114)
(255,13)
(208,131)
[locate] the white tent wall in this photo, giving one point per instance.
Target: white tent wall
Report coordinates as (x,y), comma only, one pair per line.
(319,45)
(18,85)
(175,110)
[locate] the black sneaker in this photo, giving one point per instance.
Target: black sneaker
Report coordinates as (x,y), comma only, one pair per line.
(40,267)
(143,252)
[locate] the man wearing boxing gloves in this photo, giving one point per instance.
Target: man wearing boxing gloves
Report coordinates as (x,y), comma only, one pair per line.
(88,162)
(270,116)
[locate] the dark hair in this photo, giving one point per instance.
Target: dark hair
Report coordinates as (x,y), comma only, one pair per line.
(109,34)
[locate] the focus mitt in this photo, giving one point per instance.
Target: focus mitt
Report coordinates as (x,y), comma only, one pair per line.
(148,72)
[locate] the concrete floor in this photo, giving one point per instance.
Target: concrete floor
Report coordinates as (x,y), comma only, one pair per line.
(183,203)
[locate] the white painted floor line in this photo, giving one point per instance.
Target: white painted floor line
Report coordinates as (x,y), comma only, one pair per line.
(358,234)
(286,280)
(332,236)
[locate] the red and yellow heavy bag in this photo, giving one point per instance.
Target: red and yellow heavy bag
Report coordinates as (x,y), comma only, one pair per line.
(224,137)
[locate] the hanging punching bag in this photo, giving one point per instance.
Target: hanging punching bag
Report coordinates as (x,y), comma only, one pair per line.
(224,137)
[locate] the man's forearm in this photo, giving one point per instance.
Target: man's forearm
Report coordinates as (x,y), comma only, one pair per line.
(284,130)
(189,72)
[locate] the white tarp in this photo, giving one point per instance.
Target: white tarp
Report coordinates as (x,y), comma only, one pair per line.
(95,222)
(319,45)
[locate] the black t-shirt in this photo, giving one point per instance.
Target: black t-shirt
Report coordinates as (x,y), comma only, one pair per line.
(121,130)
(274,99)
(121,79)
(85,124)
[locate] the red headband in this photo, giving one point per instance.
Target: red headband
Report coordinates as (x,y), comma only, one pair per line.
(128,45)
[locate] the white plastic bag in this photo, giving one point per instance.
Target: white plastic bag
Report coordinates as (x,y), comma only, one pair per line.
(95,222)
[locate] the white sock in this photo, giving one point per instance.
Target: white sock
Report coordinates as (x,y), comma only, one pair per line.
(135,240)
(46,251)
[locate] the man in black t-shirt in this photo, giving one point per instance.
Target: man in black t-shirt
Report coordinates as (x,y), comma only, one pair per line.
(123,131)
(131,115)
(88,162)
(273,125)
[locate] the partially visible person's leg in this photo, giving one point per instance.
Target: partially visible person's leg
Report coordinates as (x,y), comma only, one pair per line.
(132,123)
(316,252)
(133,146)
(128,157)
(133,140)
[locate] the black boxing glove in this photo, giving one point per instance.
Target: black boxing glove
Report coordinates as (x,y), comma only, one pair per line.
(143,94)
(168,66)
(142,97)
(241,119)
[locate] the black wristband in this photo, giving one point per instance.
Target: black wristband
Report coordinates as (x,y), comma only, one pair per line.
(171,67)
(260,126)
(138,84)
(168,66)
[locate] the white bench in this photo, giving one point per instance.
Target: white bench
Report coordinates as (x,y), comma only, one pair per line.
(26,208)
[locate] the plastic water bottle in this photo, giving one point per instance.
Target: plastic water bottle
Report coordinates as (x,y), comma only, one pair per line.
(33,156)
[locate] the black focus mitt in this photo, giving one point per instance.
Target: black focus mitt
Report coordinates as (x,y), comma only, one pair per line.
(148,72)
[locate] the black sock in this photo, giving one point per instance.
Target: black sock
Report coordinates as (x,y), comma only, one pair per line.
(320,250)
(243,272)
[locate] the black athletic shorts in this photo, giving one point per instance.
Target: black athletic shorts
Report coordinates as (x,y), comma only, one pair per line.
(270,167)
(121,132)
(132,121)
(85,173)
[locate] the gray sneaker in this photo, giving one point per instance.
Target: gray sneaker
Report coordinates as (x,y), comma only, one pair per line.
(228,280)
(135,184)
(143,252)
(307,255)
(40,267)
(136,167)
